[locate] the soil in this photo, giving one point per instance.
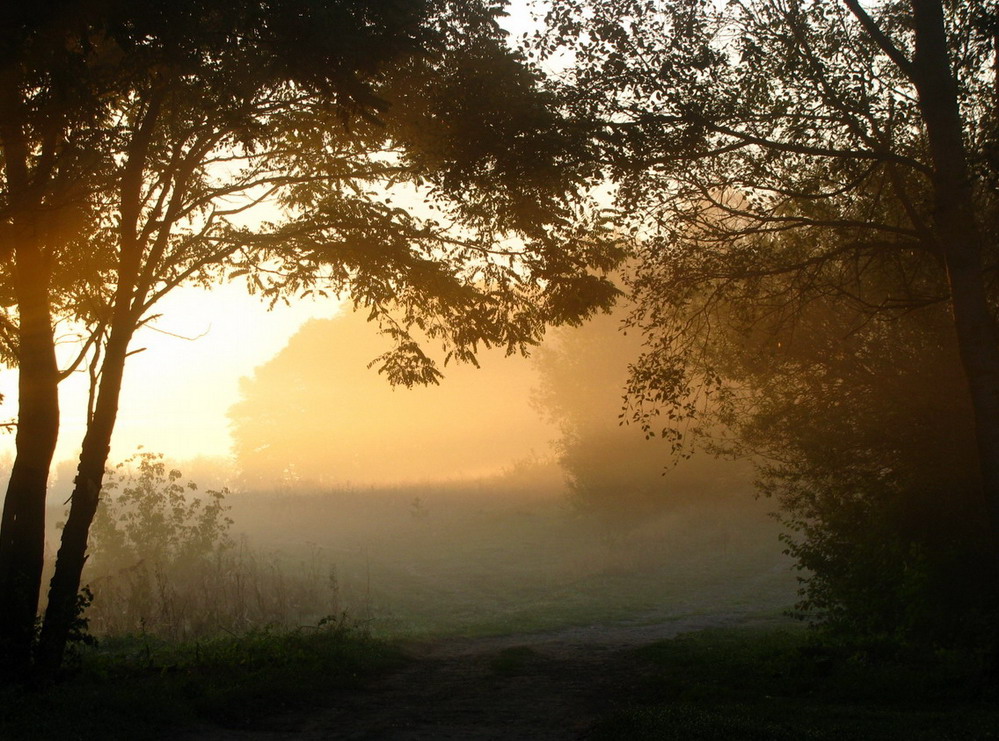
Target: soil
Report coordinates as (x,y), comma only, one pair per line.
(544,686)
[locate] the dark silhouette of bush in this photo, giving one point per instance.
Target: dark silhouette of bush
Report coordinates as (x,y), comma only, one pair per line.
(870,452)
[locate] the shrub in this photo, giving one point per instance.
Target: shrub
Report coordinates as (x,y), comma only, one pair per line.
(163,561)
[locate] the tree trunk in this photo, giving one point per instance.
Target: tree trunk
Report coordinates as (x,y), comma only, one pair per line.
(61,612)
(22,529)
(22,532)
(960,240)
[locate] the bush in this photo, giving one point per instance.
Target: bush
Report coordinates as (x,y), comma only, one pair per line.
(869,449)
(163,561)
(149,514)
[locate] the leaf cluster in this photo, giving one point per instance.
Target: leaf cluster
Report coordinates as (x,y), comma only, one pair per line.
(394,153)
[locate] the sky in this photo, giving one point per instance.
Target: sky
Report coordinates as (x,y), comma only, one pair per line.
(178,389)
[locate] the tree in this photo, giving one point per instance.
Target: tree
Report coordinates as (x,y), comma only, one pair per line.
(870,437)
(616,472)
(326,112)
(55,96)
(775,157)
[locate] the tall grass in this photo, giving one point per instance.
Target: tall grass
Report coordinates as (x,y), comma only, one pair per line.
(233,590)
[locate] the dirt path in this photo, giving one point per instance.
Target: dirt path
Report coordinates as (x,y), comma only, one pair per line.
(545,686)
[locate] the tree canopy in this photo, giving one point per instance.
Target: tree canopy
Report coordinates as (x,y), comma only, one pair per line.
(616,473)
(389,178)
(317,413)
(811,188)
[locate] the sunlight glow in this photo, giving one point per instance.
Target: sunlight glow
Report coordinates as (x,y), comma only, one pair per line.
(177,391)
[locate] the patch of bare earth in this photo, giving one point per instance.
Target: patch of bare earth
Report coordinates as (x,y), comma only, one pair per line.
(546,686)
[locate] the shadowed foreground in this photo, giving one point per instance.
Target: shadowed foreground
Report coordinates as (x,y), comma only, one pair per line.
(553,685)
(736,675)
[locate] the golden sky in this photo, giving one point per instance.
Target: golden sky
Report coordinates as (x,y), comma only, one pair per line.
(177,391)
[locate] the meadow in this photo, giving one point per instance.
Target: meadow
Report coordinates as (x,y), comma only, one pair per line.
(464,558)
(322,591)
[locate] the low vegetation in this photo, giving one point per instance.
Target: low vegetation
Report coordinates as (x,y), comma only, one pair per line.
(506,555)
(202,624)
(470,558)
(786,685)
(137,687)
(164,561)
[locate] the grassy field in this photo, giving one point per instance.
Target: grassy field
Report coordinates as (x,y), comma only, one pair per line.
(744,684)
(766,685)
(494,561)
(140,688)
(179,649)
(469,558)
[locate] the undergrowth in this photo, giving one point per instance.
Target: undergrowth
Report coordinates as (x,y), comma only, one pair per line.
(139,687)
(766,685)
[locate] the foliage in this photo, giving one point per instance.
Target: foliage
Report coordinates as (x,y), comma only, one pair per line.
(616,472)
(163,562)
(869,446)
(774,164)
(149,513)
(79,630)
(153,538)
(345,119)
(741,224)
(280,142)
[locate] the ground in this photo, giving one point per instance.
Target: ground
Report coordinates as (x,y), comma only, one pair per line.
(546,686)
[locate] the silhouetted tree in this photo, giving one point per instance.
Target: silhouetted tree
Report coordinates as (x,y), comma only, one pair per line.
(616,471)
(779,159)
(867,436)
(342,117)
(57,93)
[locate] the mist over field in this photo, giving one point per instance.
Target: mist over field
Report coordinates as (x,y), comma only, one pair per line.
(317,413)
(507,498)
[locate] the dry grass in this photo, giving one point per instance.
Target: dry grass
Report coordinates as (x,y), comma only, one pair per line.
(235,590)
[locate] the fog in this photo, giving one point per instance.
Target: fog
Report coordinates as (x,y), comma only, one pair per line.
(317,413)
(509,498)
